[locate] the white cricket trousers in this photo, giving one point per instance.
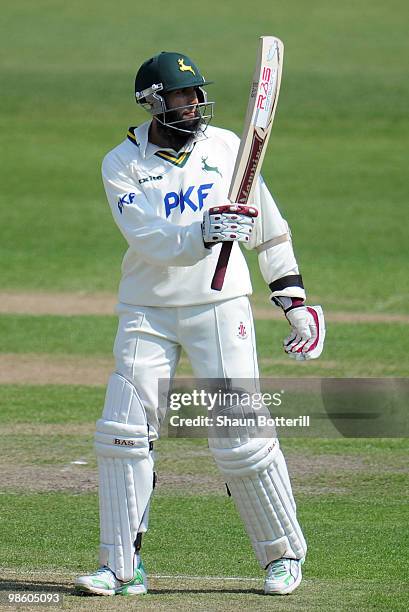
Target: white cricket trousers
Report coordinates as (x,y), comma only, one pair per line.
(219,341)
(218,338)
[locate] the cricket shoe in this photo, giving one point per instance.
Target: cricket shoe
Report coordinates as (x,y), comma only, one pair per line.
(104,582)
(283,576)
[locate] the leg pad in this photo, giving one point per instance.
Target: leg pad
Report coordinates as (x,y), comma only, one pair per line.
(125,475)
(257,477)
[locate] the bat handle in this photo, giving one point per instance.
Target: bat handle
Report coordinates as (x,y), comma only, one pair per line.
(221,267)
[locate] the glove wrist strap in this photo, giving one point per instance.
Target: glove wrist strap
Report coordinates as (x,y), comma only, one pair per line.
(287,303)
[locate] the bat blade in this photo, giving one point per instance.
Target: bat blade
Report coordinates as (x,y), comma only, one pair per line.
(260,113)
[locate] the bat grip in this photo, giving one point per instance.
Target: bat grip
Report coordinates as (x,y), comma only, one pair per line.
(221,267)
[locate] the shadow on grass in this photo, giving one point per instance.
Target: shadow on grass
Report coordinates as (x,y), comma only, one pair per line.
(204,591)
(36,586)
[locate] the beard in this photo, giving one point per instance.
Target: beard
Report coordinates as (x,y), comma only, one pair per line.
(191,125)
(176,138)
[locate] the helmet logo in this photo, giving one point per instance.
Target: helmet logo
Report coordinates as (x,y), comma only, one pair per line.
(184,68)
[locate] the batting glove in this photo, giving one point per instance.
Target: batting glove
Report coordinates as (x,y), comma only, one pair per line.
(306,340)
(228,223)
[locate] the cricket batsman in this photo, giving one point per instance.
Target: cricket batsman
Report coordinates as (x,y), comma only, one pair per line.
(167,186)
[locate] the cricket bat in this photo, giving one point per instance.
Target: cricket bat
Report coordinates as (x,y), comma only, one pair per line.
(261,109)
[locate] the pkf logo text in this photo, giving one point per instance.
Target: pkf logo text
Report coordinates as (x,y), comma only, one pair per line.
(128,198)
(192,197)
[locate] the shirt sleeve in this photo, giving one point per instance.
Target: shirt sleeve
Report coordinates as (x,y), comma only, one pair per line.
(156,240)
(272,240)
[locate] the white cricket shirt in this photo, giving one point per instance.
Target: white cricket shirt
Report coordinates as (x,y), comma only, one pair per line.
(157,198)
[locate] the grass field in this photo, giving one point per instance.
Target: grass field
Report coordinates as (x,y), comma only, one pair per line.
(337,167)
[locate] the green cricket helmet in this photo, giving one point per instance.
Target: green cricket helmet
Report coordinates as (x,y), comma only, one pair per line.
(167,72)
